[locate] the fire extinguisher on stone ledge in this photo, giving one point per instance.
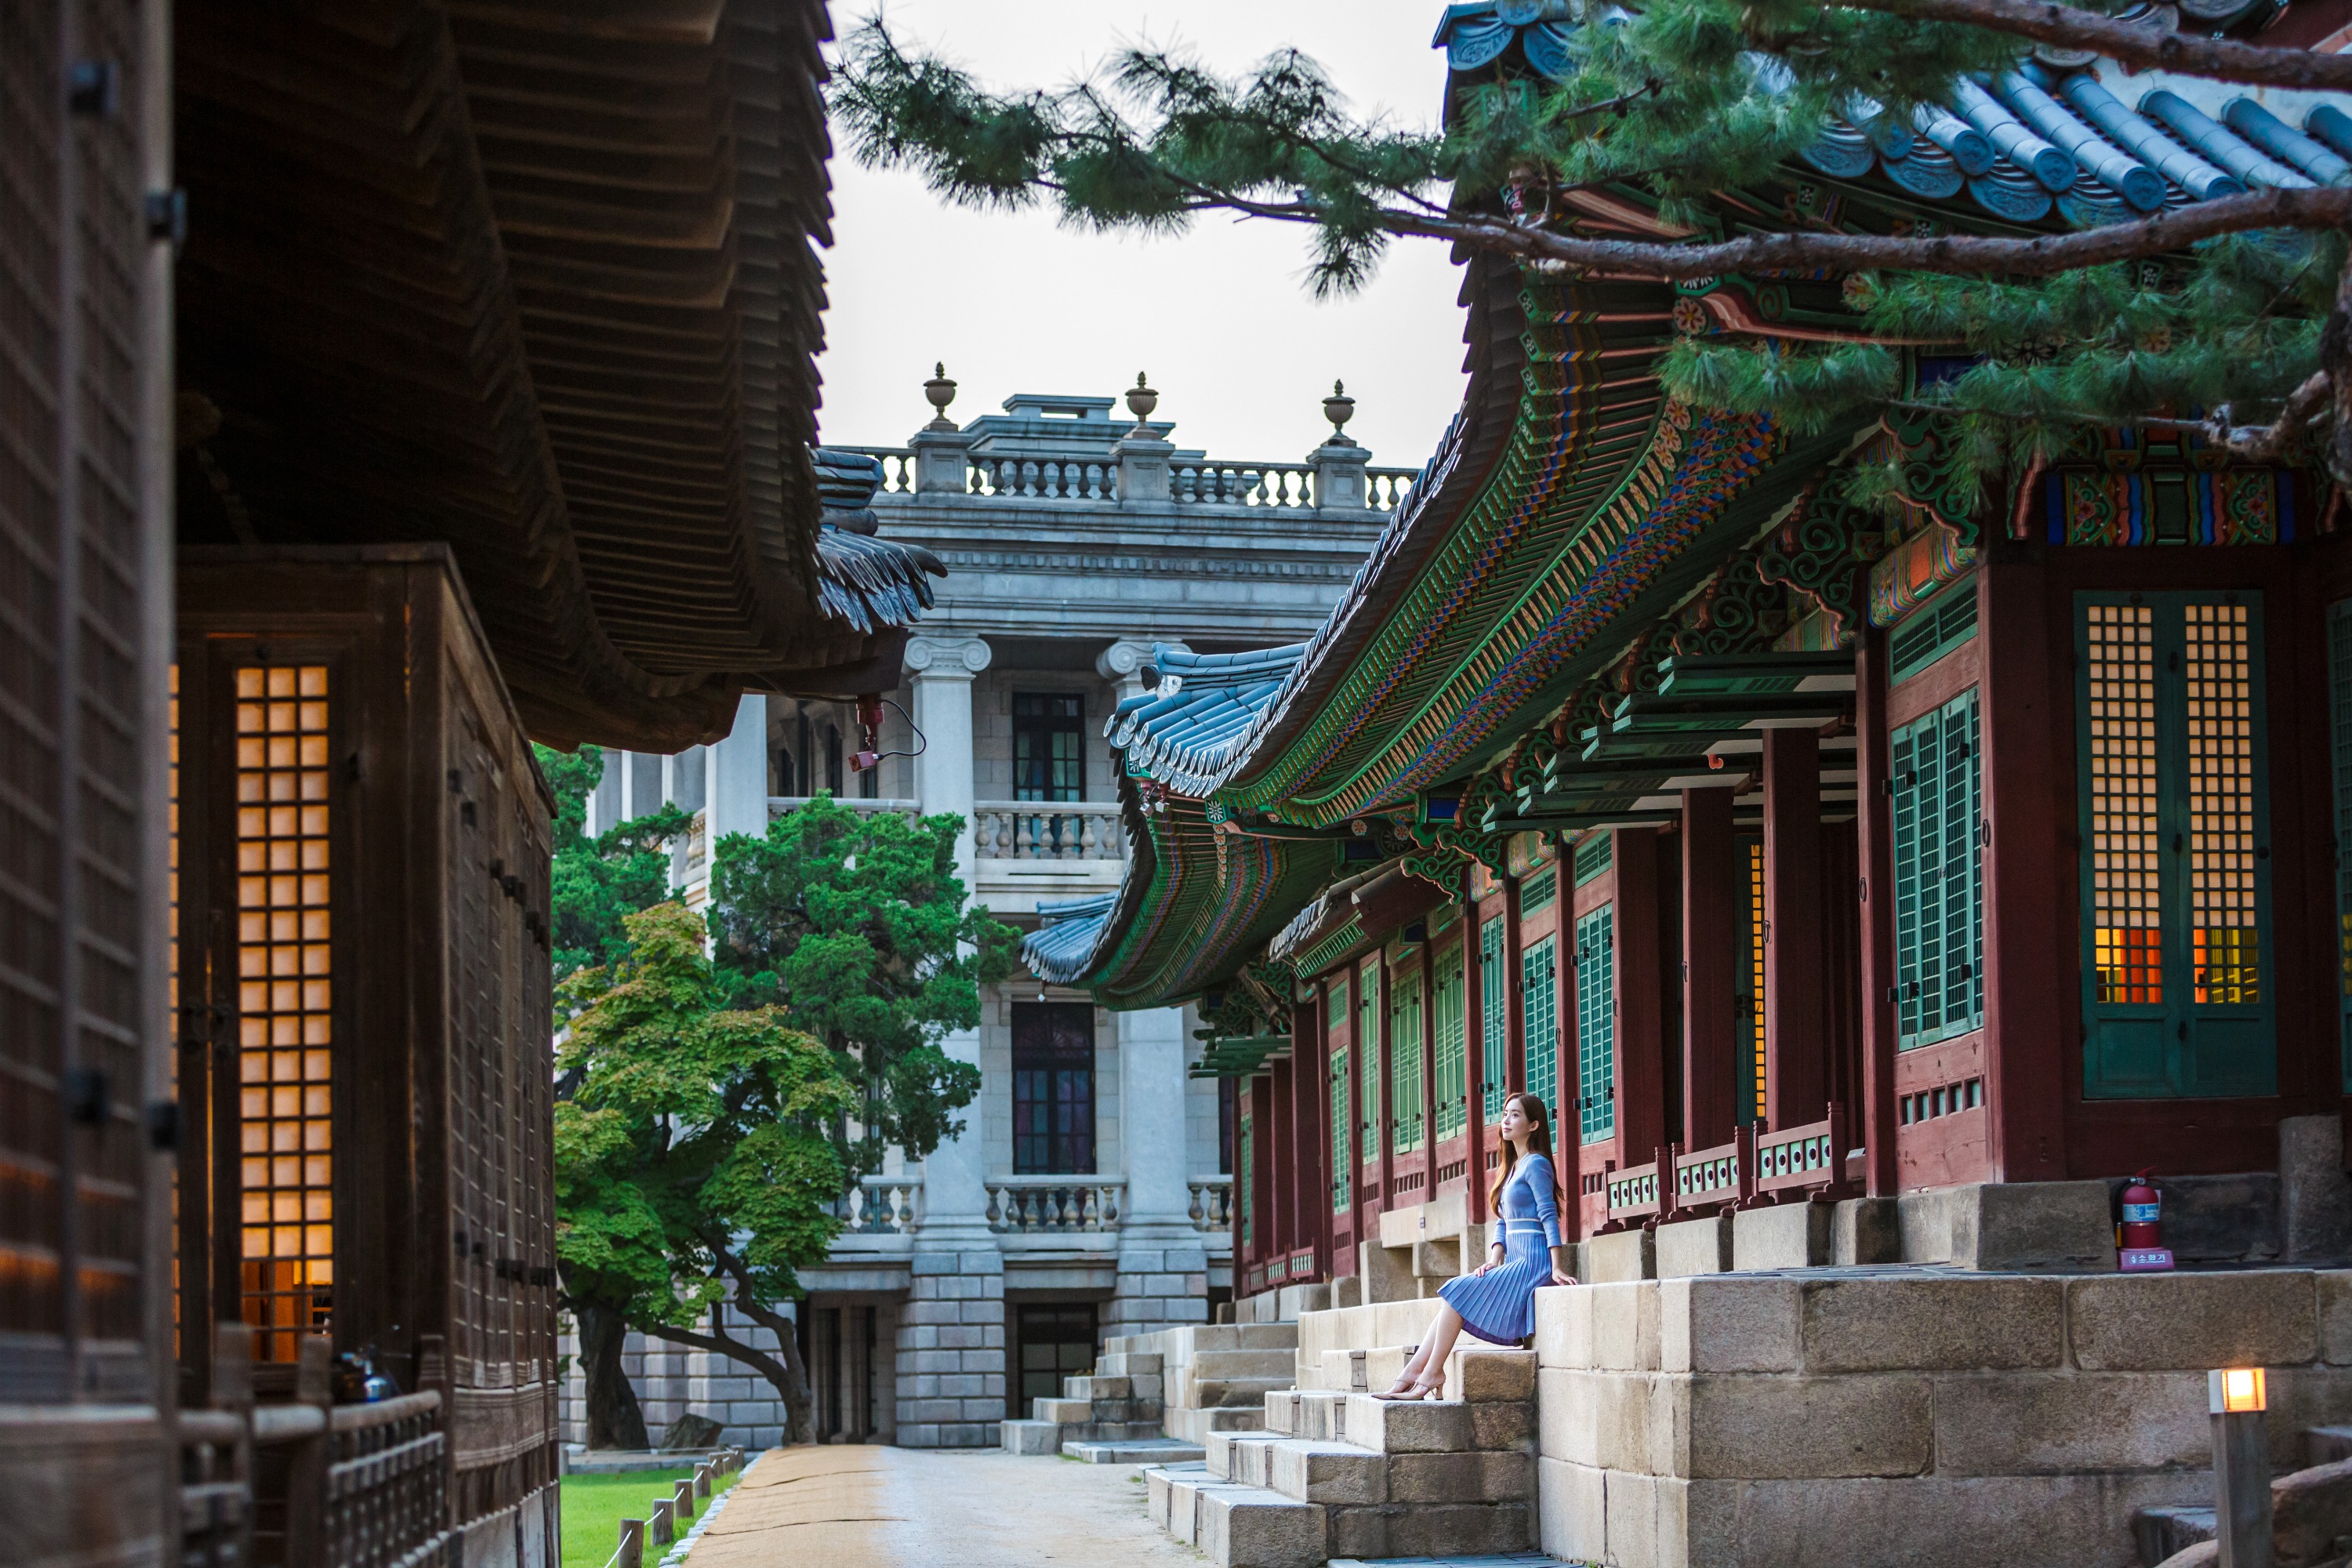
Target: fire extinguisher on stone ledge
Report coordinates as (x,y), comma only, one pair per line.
(2139,1238)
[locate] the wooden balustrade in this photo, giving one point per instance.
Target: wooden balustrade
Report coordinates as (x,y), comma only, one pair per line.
(1757,1167)
(1807,1157)
(362,1485)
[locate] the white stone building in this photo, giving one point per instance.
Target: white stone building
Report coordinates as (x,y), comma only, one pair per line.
(1088,1192)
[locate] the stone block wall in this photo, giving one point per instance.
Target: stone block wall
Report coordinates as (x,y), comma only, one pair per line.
(951,1389)
(1916,1418)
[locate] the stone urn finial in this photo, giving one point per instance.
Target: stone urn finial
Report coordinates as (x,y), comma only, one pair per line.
(1141,401)
(941,392)
(1339,408)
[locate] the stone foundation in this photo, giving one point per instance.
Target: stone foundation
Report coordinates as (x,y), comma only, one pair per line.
(1918,1419)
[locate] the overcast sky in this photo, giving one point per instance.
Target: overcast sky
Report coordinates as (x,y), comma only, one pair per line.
(1219,319)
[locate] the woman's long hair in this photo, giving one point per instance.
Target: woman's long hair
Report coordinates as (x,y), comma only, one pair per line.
(1539,1139)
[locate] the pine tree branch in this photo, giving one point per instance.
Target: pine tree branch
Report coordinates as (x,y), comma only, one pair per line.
(2131,43)
(1950,255)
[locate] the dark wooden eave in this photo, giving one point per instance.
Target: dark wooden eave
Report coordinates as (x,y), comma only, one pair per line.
(537,279)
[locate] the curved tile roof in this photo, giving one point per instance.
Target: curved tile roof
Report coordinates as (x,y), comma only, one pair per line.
(2020,145)
(1061,948)
(1569,497)
(1182,733)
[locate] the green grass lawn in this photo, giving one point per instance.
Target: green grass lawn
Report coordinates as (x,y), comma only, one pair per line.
(594,1507)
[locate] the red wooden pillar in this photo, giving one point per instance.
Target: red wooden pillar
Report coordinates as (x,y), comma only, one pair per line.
(1311,1158)
(1515,989)
(1796,1049)
(1260,1089)
(1384,1123)
(2032,1007)
(1474,1050)
(1641,1027)
(1710,958)
(1874,828)
(1568,1137)
(1280,1142)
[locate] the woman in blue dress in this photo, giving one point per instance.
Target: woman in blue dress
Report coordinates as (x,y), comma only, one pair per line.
(1496,1300)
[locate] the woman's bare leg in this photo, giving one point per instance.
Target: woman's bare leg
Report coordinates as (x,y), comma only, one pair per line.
(1429,1362)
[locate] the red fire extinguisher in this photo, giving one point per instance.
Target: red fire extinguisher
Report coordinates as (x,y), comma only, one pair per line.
(2140,1239)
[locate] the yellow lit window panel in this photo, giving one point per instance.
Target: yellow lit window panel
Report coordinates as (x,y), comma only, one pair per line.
(1756,967)
(2218,670)
(285,983)
(2126,939)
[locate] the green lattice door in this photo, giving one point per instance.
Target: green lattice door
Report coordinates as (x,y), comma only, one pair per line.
(1452,1066)
(1495,1016)
(1405,1063)
(1596,1025)
(1343,1144)
(1938,810)
(2175,867)
(1539,1007)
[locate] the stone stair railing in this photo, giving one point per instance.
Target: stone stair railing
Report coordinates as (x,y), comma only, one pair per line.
(1048,830)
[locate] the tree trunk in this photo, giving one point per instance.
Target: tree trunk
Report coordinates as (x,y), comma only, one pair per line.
(785,1375)
(614,1419)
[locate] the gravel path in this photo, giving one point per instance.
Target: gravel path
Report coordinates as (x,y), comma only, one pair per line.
(910,1508)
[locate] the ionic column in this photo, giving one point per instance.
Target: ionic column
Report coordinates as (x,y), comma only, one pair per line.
(955,1190)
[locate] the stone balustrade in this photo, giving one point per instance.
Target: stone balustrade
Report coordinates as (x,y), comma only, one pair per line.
(1048,830)
(1191,481)
(882,1205)
(1045,1205)
(1212,1204)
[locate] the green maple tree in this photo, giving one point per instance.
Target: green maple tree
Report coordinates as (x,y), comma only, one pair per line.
(696,1173)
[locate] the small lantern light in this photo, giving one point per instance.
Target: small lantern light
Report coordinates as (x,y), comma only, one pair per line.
(2237,1391)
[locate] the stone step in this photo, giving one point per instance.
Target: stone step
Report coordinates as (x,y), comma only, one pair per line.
(1453,1559)
(1342,1372)
(1447,1532)
(1130,1364)
(1397,1427)
(1194,1426)
(1238,1456)
(2160,1532)
(1199,1339)
(1482,1376)
(1281,1363)
(1250,1527)
(1067,1412)
(2327,1444)
(1157,1481)
(1098,1387)
(1140,1450)
(1209,1393)
(1031,1437)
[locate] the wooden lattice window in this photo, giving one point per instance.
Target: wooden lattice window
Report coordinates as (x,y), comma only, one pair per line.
(1367,1056)
(1749,999)
(1405,1063)
(285,1005)
(2176,876)
(1494,1015)
(2339,678)
(1539,1008)
(2119,673)
(1938,875)
(1343,1142)
(1450,1067)
(1596,1024)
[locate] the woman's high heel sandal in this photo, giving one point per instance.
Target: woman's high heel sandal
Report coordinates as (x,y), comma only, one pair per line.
(1402,1389)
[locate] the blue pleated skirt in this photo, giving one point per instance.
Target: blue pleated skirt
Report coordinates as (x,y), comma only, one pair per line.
(1499,1306)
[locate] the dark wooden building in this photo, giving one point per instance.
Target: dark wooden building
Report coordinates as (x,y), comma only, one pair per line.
(384,388)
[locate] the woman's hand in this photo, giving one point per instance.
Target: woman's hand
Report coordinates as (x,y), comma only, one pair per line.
(1561,1275)
(1482,1271)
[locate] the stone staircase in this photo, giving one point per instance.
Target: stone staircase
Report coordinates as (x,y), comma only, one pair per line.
(1337,1474)
(1111,1414)
(2164,1532)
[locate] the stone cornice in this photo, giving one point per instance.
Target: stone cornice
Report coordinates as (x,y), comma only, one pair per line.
(1200,565)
